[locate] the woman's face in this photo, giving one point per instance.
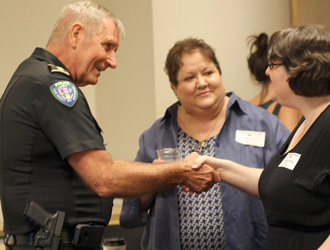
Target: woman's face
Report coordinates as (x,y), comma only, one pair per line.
(281,91)
(199,82)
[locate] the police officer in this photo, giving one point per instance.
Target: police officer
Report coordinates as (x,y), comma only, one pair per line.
(51,148)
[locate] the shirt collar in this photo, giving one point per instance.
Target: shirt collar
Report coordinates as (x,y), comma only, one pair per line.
(171,111)
(236,103)
(44,55)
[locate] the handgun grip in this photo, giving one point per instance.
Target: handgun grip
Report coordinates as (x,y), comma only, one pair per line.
(37,214)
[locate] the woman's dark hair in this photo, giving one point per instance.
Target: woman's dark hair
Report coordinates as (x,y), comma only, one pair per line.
(305,53)
(187,46)
(258,61)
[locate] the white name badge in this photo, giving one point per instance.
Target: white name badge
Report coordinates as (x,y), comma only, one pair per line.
(253,138)
(290,161)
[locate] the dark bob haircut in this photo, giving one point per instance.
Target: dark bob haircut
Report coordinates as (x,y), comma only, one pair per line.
(305,53)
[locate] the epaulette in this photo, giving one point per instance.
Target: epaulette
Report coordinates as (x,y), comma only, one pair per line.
(55,69)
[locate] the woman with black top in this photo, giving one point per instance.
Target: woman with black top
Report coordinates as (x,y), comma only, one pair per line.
(295,186)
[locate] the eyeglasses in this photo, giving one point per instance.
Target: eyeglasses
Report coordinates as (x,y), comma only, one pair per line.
(271,65)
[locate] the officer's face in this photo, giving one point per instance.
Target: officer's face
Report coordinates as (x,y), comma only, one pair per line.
(96,54)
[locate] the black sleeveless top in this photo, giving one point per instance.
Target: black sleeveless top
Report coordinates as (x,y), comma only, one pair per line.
(276,109)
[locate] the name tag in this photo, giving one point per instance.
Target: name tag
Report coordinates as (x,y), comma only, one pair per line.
(253,138)
(290,161)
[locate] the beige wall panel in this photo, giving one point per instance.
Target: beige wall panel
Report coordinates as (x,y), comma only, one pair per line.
(125,98)
(311,12)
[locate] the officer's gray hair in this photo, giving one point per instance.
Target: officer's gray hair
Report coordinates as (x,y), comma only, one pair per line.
(89,14)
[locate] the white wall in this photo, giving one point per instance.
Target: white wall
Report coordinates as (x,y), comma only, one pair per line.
(125,96)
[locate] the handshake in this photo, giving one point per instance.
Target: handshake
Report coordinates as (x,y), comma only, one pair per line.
(196,176)
(201,176)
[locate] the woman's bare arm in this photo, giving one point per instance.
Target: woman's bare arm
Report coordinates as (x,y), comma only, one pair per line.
(241,177)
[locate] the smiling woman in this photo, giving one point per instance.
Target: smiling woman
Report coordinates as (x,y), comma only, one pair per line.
(202,96)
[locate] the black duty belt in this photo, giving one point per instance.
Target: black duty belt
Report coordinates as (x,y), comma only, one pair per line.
(19,239)
(87,236)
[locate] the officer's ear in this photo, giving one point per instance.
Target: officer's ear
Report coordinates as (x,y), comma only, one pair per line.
(76,34)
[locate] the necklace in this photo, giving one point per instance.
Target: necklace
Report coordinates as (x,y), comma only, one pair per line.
(201,144)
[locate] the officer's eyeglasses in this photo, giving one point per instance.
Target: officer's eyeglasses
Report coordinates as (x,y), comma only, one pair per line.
(272,65)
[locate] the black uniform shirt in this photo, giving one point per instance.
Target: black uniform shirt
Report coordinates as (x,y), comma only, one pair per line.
(43,119)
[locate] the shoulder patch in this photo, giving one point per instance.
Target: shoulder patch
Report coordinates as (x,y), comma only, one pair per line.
(54,68)
(65,92)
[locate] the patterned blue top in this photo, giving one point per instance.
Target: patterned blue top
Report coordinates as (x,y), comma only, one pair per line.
(244,219)
(200,215)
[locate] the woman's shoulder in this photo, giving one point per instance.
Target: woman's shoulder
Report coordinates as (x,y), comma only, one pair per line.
(256,100)
(290,117)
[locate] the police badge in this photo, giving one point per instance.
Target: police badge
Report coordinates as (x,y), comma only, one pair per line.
(65,92)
